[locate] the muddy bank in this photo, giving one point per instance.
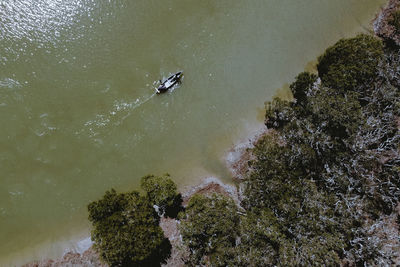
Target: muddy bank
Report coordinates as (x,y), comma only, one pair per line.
(237,160)
(170,226)
(238,157)
(89,257)
(382,23)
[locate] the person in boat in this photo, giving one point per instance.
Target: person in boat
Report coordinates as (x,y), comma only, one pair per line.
(169,82)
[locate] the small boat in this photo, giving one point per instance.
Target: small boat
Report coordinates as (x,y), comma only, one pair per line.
(170,82)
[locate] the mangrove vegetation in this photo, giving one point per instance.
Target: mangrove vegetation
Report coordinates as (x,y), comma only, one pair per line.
(321,188)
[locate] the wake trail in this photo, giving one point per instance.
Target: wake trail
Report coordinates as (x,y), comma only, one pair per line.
(121,110)
(137,105)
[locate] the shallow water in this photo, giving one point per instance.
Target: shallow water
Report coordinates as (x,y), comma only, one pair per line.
(77,104)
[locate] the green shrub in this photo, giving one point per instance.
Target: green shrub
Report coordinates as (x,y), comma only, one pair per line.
(162,192)
(330,163)
(395,20)
(340,115)
(126,230)
(278,113)
(351,64)
(302,85)
(209,227)
(259,240)
(298,225)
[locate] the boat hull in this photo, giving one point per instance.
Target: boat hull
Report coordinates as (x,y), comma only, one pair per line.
(170,82)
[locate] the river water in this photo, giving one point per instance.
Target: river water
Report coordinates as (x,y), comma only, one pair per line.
(78,112)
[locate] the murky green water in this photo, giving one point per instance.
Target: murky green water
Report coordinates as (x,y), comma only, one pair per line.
(77,107)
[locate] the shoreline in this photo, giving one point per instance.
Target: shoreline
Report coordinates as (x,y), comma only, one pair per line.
(235,158)
(83,254)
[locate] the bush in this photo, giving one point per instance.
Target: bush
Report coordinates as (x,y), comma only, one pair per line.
(278,113)
(269,162)
(126,230)
(395,20)
(316,188)
(209,227)
(339,115)
(302,85)
(351,64)
(297,226)
(162,192)
(315,179)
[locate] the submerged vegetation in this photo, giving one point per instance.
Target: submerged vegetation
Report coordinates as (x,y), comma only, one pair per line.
(318,189)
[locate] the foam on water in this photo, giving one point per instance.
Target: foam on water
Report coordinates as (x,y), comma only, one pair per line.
(119,112)
(9,83)
(83,245)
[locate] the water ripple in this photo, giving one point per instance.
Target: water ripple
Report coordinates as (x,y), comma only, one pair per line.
(9,83)
(43,20)
(118,113)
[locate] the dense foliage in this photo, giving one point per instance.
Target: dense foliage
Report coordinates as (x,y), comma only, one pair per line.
(351,64)
(126,229)
(162,193)
(322,181)
(319,188)
(395,20)
(302,86)
(209,226)
(333,163)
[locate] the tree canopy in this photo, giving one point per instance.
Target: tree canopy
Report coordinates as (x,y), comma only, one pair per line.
(302,86)
(317,189)
(162,192)
(395,20)
(351,64)
(209,228)
(126,229)
(322,179)
(321,173)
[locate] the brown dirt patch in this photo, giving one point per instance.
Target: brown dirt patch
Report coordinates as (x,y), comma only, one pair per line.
(382,25)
